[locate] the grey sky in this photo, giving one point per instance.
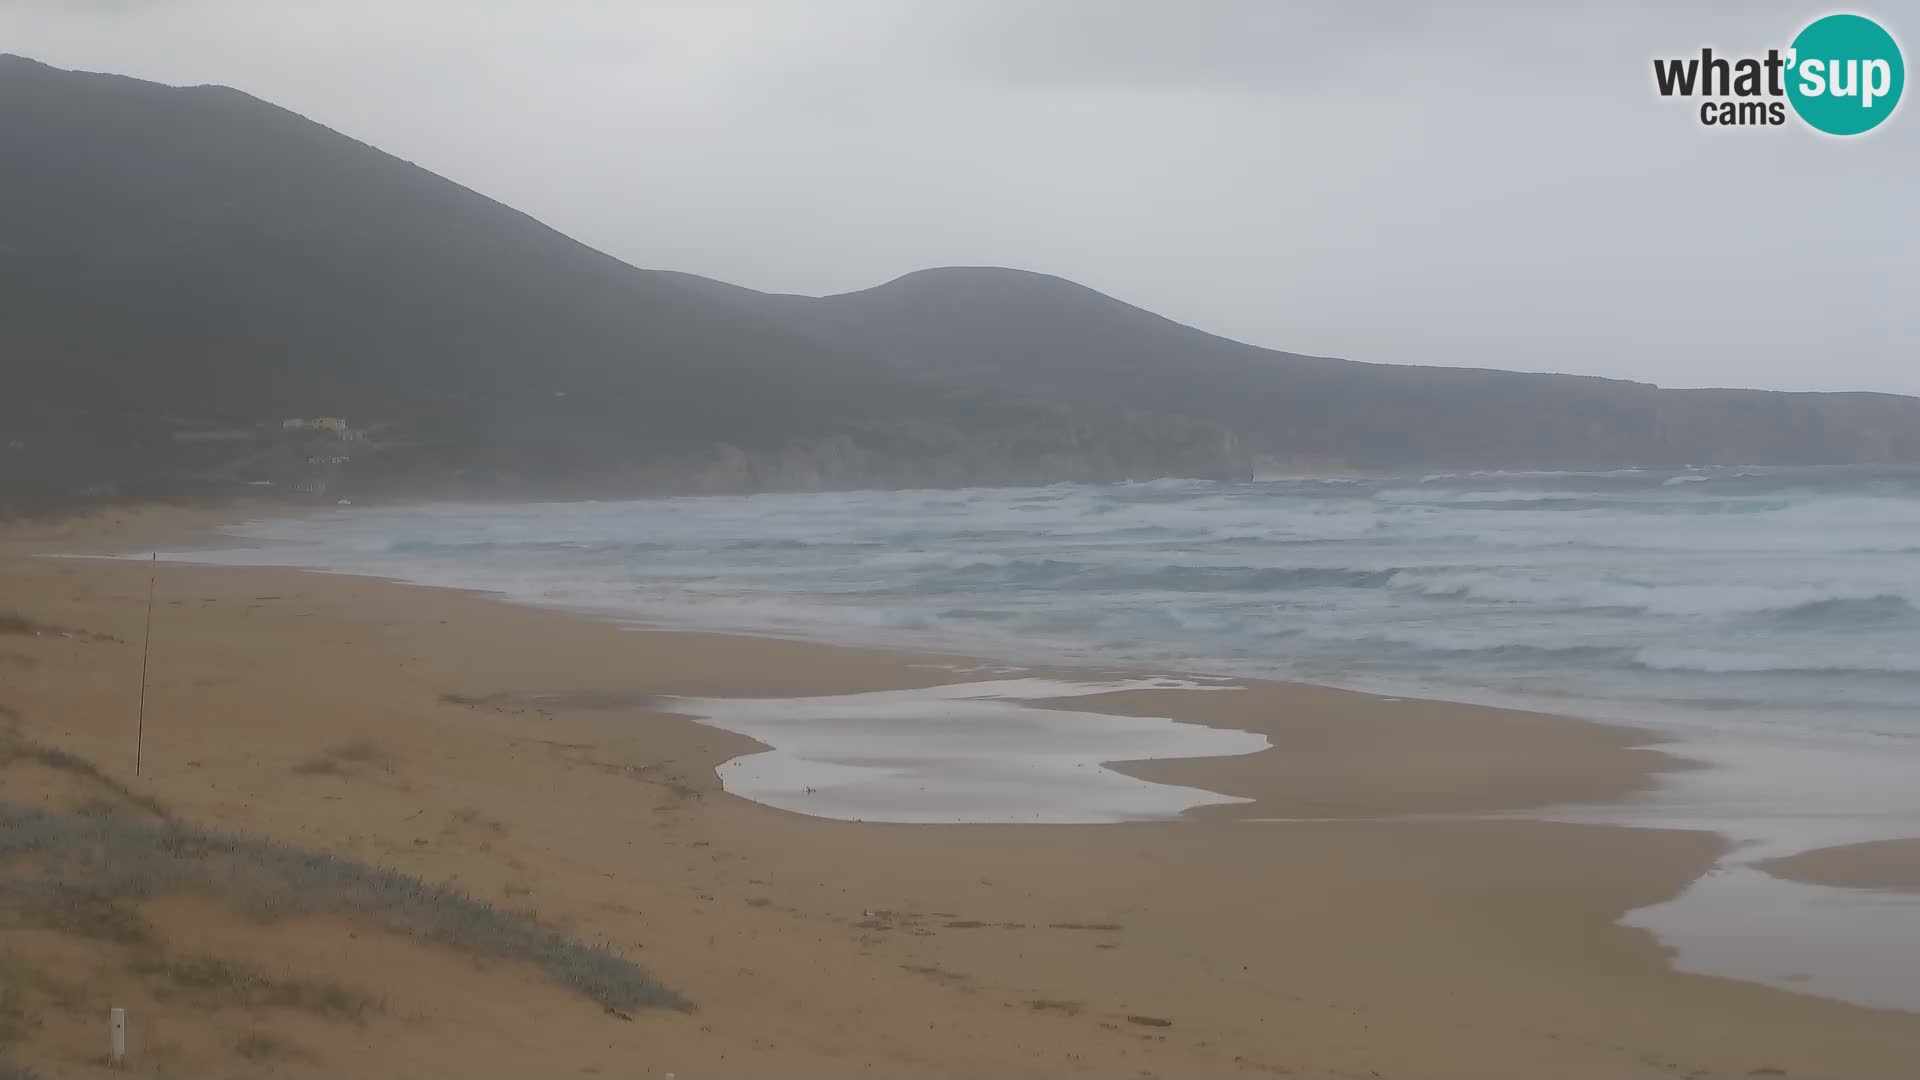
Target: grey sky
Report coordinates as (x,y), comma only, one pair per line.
(1495,186)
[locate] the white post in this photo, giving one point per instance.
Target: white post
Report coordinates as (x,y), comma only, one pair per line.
(117,1021)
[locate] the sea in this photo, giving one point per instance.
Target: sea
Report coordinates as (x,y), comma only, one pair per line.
(1765,619)
(1747,599)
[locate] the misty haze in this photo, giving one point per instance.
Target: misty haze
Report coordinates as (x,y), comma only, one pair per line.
(958,537)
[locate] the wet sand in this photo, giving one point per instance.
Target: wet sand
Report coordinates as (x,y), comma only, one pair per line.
(1880,864)
(502,750)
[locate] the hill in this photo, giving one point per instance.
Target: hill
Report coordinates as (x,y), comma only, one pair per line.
(184,270)
(1054,340)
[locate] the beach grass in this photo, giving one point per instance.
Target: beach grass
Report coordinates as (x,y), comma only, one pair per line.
(88,873)
(233,982)
(14,748)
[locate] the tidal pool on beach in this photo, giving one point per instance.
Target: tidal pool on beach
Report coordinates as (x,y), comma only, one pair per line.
(1769,799)
(969,752)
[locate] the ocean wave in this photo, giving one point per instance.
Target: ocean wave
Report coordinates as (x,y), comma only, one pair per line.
(1757,662)
(1390,647)
(1496,497)
(1248,579)
(1854,610)
(1680,599)
(788,543)
(1089,577)
(457,548)
(1167,483)
(1439,646)
(972,570)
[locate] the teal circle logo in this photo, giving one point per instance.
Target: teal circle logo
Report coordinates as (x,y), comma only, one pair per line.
(1845,74)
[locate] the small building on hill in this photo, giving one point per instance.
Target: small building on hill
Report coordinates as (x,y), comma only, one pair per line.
(334,424)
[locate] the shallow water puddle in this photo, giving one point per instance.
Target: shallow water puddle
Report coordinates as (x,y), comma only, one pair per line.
(1771,799)
(1855,945)
(971,752)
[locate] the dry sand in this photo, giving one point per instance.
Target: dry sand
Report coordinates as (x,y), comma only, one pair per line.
(390,723)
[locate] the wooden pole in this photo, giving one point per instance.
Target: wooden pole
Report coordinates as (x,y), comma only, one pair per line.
(117,1025)
(146,644)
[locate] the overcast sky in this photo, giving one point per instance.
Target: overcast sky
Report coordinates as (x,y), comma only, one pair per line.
(1497,186)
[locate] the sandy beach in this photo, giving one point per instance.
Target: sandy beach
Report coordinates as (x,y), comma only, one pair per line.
(1378,930)
(1878,864)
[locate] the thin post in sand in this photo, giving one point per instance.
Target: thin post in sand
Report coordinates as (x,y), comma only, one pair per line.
(146,644)
(117,1026)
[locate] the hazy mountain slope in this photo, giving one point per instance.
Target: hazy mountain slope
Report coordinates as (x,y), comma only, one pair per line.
(191,261)
(261,253)
(1050,338)
(182,268)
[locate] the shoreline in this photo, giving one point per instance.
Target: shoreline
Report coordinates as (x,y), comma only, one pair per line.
(1569,759)
(817,947)
(1680,743)
(1676,732)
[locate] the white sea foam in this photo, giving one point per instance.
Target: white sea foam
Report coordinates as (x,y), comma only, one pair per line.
(963,753)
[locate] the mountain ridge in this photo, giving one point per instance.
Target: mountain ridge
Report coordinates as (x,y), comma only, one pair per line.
(183,268)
